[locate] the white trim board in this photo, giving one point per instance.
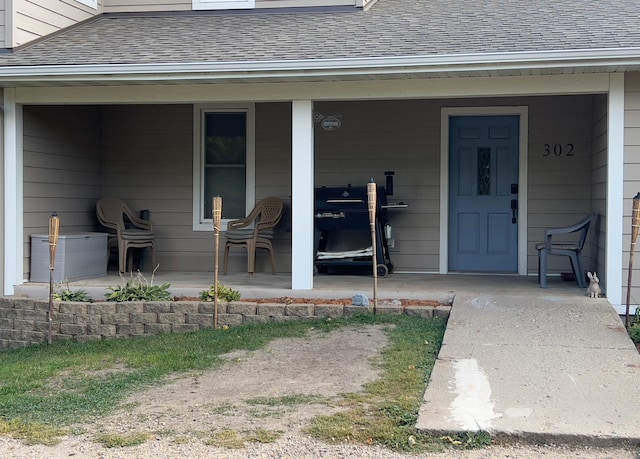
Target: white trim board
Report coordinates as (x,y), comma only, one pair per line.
(523,113)
(222,4)
(336,90)
(206,224)
(302,194)
(90,3)
(615,192)
(13,193)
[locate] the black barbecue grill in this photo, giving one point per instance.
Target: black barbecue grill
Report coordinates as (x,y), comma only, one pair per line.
(343,228)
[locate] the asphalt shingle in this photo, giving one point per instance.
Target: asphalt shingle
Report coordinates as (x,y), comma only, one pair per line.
(389,28)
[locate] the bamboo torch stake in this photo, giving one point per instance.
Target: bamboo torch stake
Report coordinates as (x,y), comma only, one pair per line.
(217,216)
(635,226)
(371,197)
(54,232)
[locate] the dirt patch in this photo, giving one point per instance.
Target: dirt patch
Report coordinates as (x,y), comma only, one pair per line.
(278,388)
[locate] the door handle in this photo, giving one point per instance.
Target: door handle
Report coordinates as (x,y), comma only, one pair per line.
(514,208)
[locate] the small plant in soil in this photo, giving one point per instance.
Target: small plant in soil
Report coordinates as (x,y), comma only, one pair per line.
(62,292)
(289,400)
(123,441)
(224,293)
(32,432)
(138,288)
(233,439)
(263,407)
(468,440)
(634,328)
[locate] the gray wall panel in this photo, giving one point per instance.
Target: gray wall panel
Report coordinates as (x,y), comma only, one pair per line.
(61,169)
(631,180)
(143,154)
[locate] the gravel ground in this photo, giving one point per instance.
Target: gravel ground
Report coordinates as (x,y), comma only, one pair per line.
(183,412)
(293,445)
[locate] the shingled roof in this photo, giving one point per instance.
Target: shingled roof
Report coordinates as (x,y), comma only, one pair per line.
(391,29)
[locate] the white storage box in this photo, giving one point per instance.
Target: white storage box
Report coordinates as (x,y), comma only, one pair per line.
(78,256)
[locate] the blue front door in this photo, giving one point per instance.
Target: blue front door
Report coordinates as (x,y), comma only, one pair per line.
(483,187)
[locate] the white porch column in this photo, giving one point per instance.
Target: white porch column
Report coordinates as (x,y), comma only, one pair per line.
(615,192)
(12,176)
(302,195)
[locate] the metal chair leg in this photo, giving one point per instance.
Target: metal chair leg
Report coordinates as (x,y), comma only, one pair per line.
(542,271)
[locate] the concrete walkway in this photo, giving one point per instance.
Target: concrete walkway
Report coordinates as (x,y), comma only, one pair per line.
(544,368)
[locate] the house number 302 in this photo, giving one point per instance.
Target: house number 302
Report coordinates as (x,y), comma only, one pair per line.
(558,149)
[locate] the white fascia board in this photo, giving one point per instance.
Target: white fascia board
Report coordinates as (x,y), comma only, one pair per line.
(595,58)
(260,91)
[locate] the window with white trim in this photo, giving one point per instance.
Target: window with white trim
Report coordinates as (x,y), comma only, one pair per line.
(223,161)
(222,4)
(92,3)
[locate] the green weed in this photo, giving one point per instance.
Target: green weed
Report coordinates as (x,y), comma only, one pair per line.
(138,288)
(123,441)
(634,332)
(233,439)
(468,440)
(634,327)
(62,292)
(224,293)
(32,432)
(288,400)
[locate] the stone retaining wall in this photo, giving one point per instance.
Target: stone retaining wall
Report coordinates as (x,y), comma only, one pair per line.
(24,321)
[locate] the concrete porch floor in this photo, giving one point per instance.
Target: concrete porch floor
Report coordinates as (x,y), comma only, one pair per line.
(266,285)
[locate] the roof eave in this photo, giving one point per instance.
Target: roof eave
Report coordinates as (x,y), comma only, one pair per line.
(567,61)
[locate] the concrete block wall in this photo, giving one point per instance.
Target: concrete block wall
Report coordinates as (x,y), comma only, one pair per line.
(24,322)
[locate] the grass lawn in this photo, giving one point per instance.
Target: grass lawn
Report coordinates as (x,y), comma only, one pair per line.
(45,389)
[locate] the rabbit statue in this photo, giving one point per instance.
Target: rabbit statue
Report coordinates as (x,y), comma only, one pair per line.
(593,290)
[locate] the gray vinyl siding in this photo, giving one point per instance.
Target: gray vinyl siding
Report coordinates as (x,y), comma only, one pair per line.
(273,178)
(33,20)
(559,186)
(4,39)
(144,155)
(631,180)
(404,136)
(61,170)
(399,136)
(147,162)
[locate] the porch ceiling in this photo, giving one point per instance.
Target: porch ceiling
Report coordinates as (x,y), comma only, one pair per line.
(395,39)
